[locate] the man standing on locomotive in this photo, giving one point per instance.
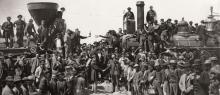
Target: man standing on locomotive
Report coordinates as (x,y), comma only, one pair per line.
(202,33)
(28,31)
(127,18)
(20,25)
(151,16)
(8,32)
(43,33)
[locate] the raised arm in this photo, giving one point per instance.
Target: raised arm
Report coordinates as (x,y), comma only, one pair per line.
(103,36)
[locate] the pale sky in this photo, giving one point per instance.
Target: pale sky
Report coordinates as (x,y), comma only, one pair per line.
(98,16)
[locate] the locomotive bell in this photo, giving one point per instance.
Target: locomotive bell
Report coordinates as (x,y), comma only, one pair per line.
(183,29)
(43,11)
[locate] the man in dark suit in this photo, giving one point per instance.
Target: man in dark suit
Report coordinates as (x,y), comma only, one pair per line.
(8,32)
(151,15)
(115,70)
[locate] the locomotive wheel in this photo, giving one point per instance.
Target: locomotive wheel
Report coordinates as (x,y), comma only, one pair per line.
(33,49)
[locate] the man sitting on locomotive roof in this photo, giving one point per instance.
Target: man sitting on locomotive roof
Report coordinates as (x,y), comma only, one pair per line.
(191,27)
(151,15)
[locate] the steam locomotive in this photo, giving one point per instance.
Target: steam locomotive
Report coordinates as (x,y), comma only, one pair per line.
(183,39)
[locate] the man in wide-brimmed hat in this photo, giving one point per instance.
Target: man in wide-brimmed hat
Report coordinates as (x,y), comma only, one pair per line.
(172,78)
(7,90)
(44,83)
(9,66)
(20,25)
(28,82)
(185,83)
(17,84)
(200,79)
(40,69)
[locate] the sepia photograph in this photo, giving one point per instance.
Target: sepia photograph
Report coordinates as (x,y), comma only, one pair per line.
(109,47)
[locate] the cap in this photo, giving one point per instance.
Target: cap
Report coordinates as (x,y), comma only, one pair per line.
(31,20)
(129,8)
(19,16)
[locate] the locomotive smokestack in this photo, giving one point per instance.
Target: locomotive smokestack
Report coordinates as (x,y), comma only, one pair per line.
(140,15)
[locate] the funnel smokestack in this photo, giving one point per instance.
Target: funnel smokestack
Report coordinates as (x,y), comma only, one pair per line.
(43,11)
(140,15)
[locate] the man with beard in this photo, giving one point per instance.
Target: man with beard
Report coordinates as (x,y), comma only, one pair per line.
(20,25)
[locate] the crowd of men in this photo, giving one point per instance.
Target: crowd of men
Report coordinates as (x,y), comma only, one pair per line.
(72,67)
